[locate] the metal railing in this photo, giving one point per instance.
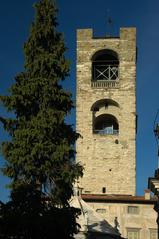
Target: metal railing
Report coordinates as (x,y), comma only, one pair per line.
(105,72)
(105,84)
(106,131)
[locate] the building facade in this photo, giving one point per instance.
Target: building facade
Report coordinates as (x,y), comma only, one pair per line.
(106,121)
(133,216)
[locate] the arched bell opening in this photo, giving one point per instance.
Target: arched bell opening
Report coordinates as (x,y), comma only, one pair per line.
(105,64)
(106,124)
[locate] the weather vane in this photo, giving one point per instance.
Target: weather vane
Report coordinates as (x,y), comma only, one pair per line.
(109,23)
(156,132)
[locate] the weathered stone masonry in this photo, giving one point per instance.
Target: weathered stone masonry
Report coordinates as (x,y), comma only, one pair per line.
(109,159)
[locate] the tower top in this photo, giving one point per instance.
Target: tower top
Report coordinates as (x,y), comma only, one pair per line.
(126,33)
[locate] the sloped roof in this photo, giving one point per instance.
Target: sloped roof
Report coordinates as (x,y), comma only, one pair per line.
(118,198)
(91,221)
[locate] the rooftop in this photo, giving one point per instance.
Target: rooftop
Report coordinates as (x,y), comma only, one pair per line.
(118,198)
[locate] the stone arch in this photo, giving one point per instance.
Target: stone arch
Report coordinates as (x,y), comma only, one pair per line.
(104,103)
(104,53)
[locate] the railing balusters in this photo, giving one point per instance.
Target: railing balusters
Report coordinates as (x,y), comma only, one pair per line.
(105,84)
(106,132)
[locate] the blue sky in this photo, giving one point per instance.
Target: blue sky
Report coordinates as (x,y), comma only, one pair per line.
(15,19)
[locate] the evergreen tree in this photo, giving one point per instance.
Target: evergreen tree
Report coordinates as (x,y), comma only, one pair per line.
(40,153)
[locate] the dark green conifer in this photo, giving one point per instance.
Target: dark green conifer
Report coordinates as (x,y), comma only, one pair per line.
(41,151)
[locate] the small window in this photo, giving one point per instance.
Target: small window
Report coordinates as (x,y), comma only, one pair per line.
(104,190)
(87,192)
(153,234)
(133,210)
(133,233)
(101,210)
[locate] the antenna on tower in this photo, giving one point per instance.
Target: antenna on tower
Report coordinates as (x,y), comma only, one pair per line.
(156,133)
(109,24)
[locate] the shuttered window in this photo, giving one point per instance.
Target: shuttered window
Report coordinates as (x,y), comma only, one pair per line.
(133,233)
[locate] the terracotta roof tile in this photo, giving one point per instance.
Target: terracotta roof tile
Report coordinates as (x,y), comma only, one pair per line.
(118,198)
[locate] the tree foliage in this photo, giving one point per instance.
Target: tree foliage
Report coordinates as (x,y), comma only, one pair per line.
(28,216)
(40,152)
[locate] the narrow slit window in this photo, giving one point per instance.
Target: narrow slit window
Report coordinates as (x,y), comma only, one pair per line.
(101,210)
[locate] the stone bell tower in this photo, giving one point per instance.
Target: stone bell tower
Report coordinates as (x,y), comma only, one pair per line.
(106,112)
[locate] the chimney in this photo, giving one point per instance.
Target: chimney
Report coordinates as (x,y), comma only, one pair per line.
(77,191)
(147,194)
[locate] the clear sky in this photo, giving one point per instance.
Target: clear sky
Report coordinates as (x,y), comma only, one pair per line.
(15,19)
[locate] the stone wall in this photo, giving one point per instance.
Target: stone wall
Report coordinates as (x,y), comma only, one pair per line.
(109,160)
(143,220)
